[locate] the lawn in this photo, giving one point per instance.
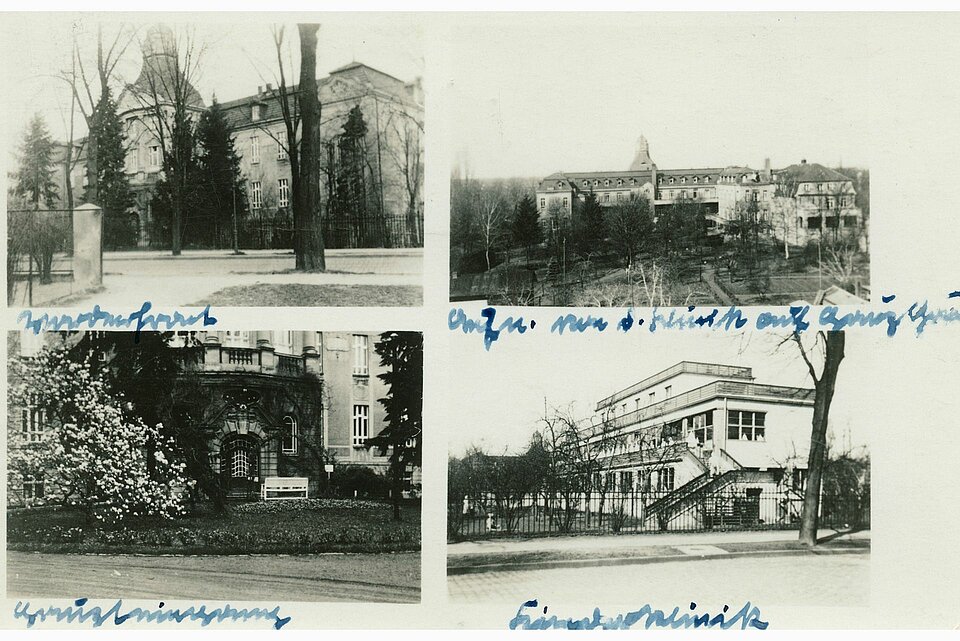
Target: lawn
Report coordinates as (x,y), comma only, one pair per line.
(296,526)
(299,295)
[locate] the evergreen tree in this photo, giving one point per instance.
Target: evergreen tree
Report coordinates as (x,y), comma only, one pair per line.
(352,196)
(42,235)
(35,183)
(589,229)
(177,194)
(222,191)
(402,355)
(112,191)
(526,223)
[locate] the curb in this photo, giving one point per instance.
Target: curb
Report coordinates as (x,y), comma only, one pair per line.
(643,560)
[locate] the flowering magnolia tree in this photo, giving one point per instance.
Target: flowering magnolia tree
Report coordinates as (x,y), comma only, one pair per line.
(98,456)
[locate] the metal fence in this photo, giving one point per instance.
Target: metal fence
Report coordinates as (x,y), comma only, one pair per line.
(546,513)
(340,232)
(39,251)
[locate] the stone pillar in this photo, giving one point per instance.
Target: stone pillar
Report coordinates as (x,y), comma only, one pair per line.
(211,350)
(88,246)
(312,354)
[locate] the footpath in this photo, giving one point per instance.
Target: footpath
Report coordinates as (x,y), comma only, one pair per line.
(498,555)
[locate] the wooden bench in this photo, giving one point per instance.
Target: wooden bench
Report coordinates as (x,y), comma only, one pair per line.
(284,487)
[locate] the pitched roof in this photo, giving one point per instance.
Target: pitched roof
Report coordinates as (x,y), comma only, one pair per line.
(238,111)
(812,172)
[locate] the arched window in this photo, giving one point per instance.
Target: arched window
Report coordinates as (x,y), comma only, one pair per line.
(291,436)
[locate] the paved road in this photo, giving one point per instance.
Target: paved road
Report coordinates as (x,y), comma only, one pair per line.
(319,577)
(131,277)
(810,579)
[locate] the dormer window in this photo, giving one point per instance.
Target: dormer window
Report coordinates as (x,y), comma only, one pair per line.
(606,183)
(671,181)
(620,182)
(696,179)
(683,181)
(255,113)
(596,183)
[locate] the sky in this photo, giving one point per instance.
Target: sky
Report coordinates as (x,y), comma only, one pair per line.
(500,394)
(707,90)
(239,56)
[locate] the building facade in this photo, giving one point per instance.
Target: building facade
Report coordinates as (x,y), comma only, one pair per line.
(696,429)
(796,204)
(275,404)
(379,204)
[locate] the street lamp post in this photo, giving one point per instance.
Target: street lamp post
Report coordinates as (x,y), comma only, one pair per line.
(236,239)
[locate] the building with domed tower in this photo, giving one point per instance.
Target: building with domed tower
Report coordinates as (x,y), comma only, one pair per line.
(811,196)
(378,205)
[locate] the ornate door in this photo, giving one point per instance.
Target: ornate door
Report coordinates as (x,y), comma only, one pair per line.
(240,466)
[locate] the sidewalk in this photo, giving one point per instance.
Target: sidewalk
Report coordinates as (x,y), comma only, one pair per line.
(573,551)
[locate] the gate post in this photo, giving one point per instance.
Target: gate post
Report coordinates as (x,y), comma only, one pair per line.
(88,246)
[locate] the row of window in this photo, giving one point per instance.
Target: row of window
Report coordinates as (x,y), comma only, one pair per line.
(154,159)
(255,148)
(683,179)
(662,480)
(256,193)
(283,342)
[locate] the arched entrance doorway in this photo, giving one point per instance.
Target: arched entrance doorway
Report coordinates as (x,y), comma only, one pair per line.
(240,466)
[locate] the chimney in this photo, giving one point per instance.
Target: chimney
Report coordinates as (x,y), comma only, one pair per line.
(803,161)
(269,87)
(259,90)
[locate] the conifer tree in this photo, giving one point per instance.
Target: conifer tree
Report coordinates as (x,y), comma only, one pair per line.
(401,353)
(221,188)
(112,190)
(35,182)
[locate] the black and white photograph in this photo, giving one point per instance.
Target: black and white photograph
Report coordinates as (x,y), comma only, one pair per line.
(235,465)
(676,164)
(619,472)
(195,163)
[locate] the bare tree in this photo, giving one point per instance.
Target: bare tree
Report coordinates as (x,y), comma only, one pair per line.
(831,344)
(92,90)
(308,236)
(165,91)
(492,215)
(407,156)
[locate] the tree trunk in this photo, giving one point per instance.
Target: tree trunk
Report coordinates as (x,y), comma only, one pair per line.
(176,217)
(825,386)
(306,211)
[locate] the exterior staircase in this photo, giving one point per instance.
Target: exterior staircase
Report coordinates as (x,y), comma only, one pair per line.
(699,498)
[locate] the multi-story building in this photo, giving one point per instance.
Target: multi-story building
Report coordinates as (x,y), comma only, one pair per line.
(388,181)
(698,428)
(278,404)
(807,196)
(815,201)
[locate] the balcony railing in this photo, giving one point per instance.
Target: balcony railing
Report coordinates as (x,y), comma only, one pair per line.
(685,367)
(240,356)
(289,365)
(710,390)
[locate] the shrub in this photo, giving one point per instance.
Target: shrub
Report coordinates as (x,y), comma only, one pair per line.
(362,481)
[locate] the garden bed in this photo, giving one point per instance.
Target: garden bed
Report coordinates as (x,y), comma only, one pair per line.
(275,527)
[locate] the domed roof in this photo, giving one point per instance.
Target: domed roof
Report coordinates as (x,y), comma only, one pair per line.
(161,73)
